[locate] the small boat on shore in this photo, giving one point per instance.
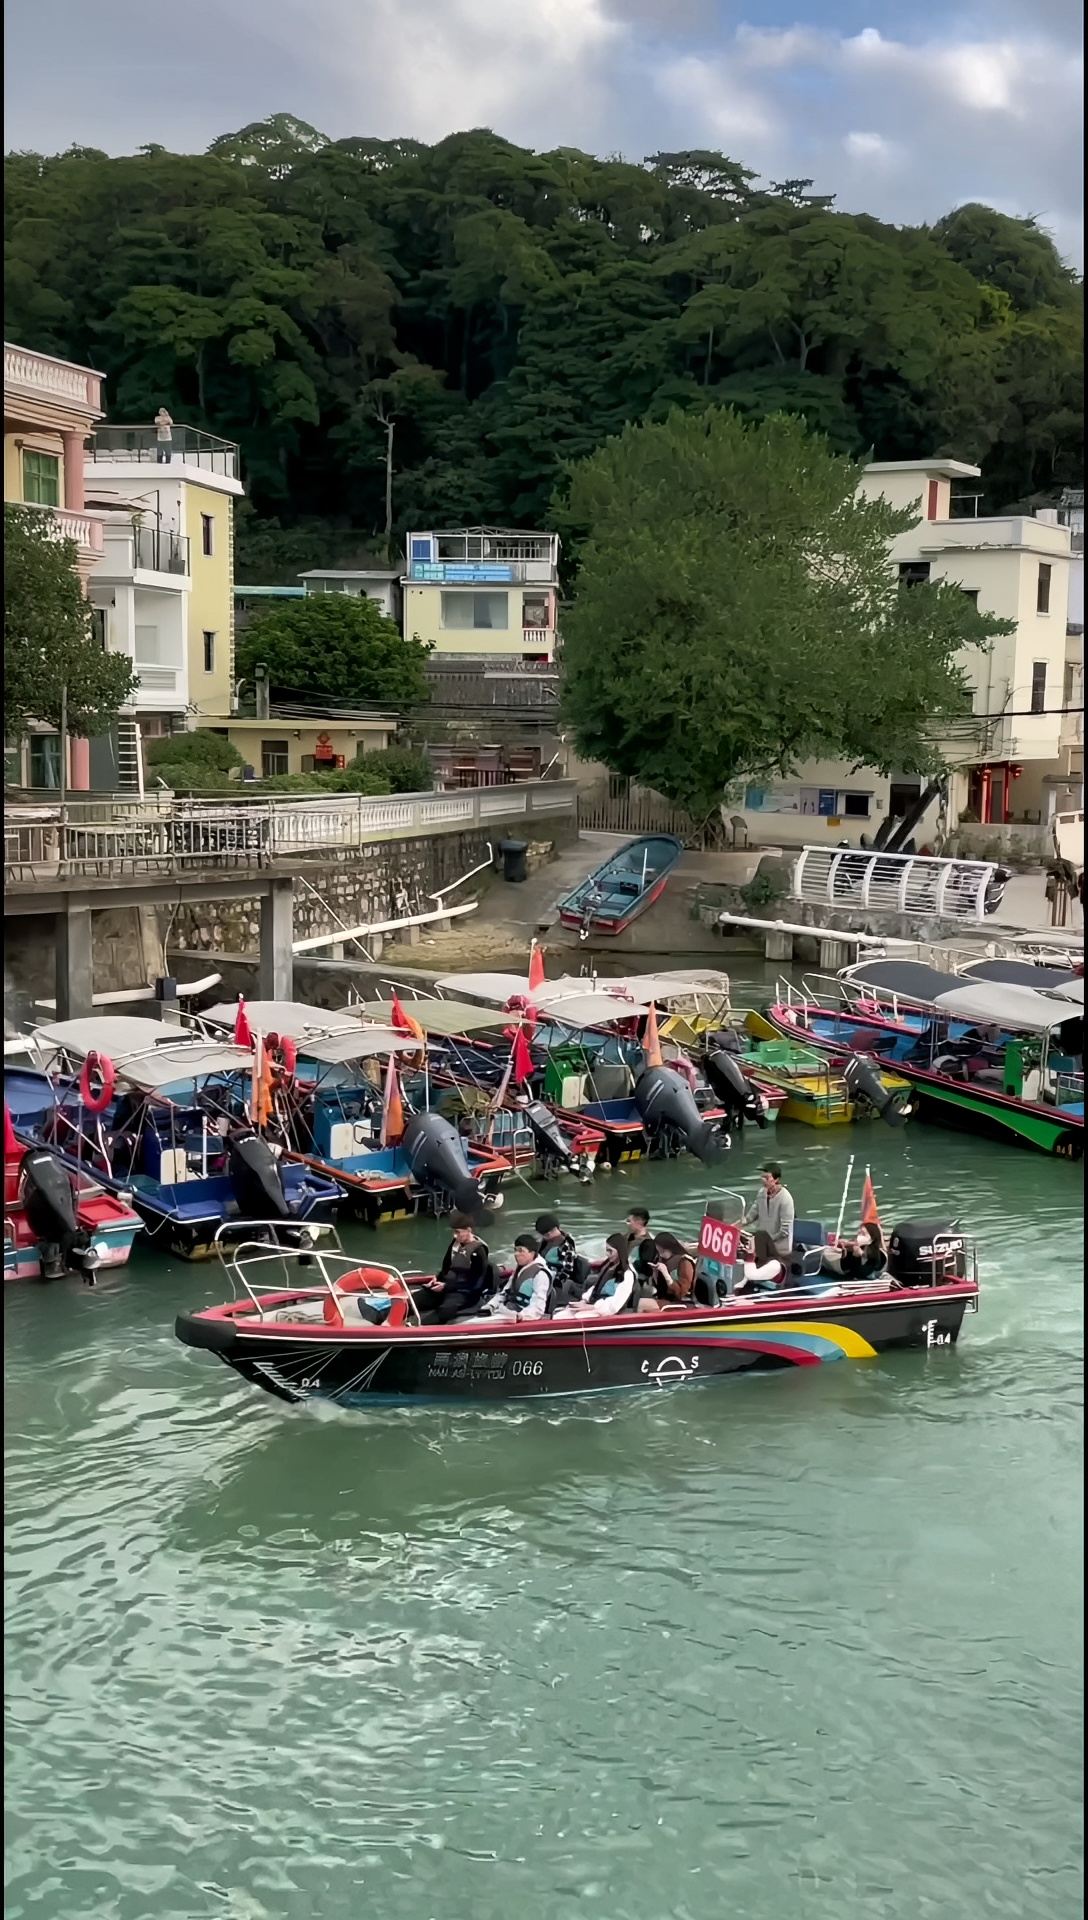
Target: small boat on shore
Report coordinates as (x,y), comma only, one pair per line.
(625,885)
(325,1328)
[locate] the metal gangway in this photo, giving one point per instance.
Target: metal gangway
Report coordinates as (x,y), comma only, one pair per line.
(855,878)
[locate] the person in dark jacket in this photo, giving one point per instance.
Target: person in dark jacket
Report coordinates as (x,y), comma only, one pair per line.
(569,1271)
(862,1258)
(463,1280)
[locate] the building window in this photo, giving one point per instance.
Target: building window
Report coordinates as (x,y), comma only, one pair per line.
(274,758)
(45,760)
(855,806)
(1042,593)
(207,534)
(41,479)
(13,766)
(971,594)
(914,573)
(209,652)
(1038,686)
(476,612)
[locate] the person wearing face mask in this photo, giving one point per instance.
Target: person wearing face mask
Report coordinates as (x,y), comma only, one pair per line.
(860,1259)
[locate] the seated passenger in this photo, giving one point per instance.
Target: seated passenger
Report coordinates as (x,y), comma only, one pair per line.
(862,1258)
(762,1267)
(674,1273)
(527,1292)
(569,1271)
(462,1281)
(612,1288)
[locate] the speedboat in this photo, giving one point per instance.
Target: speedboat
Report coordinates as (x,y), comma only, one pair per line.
(322,1327)
(163,1118)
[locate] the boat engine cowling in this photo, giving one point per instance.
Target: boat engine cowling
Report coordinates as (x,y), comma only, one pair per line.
(863,1082)
(552,1143)
(51,1214)
(669,1112)
(926,1253)
(256,1178)
(741,1100)
(436,1155)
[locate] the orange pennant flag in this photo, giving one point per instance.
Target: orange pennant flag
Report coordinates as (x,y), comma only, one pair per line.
(403,1022)
(264,1089)
(869,1215)
(392,1107)
(536,967)
(651,1042)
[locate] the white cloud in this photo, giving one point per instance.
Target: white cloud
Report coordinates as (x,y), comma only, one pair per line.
(868,146)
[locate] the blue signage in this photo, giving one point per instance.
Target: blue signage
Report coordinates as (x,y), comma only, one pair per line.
(459,573)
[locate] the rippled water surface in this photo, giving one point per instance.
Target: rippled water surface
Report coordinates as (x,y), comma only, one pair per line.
(801,1645)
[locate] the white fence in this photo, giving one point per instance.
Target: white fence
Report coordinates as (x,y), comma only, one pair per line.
(116,837)
(848,877)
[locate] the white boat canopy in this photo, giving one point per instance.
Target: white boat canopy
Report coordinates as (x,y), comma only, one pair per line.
(1071,990)
(995,1004)
(118,1035)
(444,1018)
(334,1038)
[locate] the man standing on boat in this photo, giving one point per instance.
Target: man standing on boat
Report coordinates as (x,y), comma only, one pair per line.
(771,1216)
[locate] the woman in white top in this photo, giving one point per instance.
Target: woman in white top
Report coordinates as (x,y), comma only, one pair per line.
(611,1288)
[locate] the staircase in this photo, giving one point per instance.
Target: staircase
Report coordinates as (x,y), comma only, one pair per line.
(130,756)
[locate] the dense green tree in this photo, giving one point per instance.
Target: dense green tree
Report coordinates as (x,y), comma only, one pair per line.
(54,667)
(334,646)
(486,314)
(736,613)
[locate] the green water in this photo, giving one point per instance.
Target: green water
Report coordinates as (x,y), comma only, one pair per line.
(802,1645)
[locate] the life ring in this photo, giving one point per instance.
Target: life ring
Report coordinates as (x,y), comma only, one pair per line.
(97,1081)
(369,1280)
(283,1054)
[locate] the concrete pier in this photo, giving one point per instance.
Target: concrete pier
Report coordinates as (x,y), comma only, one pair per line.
(836,953)
(276,970)
(75,962)
(778,946)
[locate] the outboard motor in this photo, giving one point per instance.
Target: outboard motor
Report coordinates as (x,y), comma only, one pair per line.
(256,1178)
(52,1218)
(552,1143)
(863,1082)
(741,1100)
(671,1116)
(436,1155)
(926,1253)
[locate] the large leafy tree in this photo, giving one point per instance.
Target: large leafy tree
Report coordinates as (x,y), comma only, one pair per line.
(54,667)
(335,647)
(735,612)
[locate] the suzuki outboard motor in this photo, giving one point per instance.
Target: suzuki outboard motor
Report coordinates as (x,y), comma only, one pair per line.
(437,1158)
(668,1108)
(51,1216)
(741,1100)
(863,1082)
(927,1253)
(552,1144)
(256,1179)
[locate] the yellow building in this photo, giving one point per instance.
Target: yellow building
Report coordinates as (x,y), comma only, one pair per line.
(483,592)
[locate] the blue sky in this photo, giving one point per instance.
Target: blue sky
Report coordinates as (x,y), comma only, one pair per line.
(904,114)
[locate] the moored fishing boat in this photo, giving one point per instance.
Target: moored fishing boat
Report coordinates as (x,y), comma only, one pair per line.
(622,887)
(56,1222)
(333,1331)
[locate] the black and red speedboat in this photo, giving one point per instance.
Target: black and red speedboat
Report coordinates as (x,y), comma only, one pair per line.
(316,1326)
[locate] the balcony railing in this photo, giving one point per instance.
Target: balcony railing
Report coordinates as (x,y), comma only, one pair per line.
(62,524)
(159,552)
(156,681)
(37,376)
(538,639)
(187,445)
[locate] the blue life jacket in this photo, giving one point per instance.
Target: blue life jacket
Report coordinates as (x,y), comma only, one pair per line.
(519,1291)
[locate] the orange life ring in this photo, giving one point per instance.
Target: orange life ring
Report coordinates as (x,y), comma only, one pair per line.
(369,1280)
(97,1068)
(283,1054)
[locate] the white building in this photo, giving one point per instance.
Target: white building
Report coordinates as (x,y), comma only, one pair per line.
(1007,754)
(380,584)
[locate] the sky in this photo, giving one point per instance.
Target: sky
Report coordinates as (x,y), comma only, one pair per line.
(901,113)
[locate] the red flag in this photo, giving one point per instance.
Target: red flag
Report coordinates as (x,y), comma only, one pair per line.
(242,1035)
(651,1043)
(392,1107)
(12,1149)
(869,1215)
(521,1060)
(536,967)
(397,1016)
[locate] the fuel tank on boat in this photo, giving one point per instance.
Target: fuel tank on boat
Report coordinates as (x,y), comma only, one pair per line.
(733,1087)
(50,1207)
(436,1155)
(667,1104)
(862,1081)
(256,1178)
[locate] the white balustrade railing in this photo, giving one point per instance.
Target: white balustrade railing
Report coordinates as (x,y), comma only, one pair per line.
(41,377)
(61,523)
(46,840)
(856,879)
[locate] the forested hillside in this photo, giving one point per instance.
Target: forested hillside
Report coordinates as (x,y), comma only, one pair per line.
(499,312)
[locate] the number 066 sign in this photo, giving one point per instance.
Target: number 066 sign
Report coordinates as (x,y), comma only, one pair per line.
(718,1240)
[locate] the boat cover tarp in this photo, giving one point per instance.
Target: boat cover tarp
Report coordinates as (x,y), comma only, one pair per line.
(1016,973)
(992,1003)
(908,979)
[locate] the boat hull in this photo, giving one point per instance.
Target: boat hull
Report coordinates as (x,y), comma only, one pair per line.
(483,1361)
(610,899)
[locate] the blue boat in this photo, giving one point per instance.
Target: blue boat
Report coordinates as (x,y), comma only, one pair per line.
(629,882)
(168,1129)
